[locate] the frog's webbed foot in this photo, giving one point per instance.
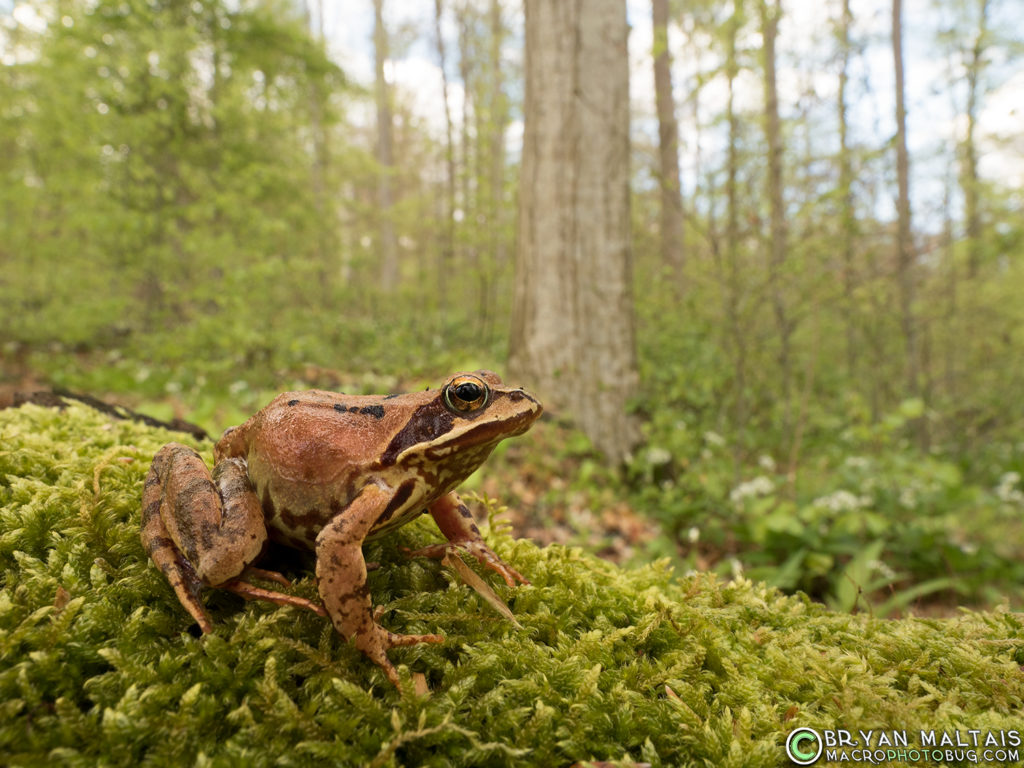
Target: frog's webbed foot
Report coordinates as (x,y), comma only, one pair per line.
(456,523)
(251,592)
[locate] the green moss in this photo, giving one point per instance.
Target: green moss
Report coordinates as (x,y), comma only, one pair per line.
(100,665)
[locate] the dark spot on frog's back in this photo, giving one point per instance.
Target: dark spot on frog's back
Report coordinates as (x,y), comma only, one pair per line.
(429,421)
(377,411)
(293,402)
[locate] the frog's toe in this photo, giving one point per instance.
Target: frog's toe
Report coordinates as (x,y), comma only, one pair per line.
(395,640)
(478,549)
(388,669)
(260,573)
(250,592)
(376,643)
(486,556)
(434,551)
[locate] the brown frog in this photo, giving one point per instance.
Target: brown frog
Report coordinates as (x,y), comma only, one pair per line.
(326,471)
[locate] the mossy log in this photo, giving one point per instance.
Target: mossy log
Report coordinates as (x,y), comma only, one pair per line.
(100,665)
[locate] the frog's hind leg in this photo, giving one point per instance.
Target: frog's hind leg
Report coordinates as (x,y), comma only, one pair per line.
(200,529)
(158,542)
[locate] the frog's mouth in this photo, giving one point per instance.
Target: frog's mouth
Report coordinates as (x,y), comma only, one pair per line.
(516,424)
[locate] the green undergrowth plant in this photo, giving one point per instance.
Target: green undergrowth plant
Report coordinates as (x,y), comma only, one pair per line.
(871,523)
(99,665)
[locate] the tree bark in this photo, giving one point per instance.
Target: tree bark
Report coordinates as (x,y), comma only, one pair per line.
(672,248)
(387,240)
(573,327)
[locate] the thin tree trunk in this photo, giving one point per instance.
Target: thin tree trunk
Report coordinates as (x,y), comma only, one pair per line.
(668,146)
(969,173)
(466,75)
(847,212)
(741,408)
(318,134)
(387,241)
(905,257)
(573,331)
(770,15)
(499,117)
(447,249)
(951,314)
(497,216)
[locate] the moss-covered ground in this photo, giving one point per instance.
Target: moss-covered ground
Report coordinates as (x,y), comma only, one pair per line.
(99,665)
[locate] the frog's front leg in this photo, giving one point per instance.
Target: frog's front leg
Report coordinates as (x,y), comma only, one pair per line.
(341,579)
(456,523)
(205,530)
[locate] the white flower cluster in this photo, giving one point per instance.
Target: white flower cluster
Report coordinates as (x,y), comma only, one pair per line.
(908,497)
(1007,489)
(857,462)
(842,501)
(657,456)
(759,486)
(713,438)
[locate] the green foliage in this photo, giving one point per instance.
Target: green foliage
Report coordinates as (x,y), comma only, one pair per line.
(870,523)
(176,181)
(98,666)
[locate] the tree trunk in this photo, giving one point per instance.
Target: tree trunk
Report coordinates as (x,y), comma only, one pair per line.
(496,210)
(847,213)
(573,328)
(319,170)
(770,14)
(668,145)
(499,118)
(466,75)
(969,172)
(447,249)
(733,287)
(905,257)
(387,241)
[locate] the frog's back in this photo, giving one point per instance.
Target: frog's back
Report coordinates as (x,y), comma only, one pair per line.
(319,437)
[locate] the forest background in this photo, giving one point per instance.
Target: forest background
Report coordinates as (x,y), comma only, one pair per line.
(202,207)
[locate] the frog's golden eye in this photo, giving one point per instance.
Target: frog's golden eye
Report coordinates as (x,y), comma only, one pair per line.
(466,393)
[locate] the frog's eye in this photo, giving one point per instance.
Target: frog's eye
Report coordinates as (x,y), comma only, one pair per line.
(466,393)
